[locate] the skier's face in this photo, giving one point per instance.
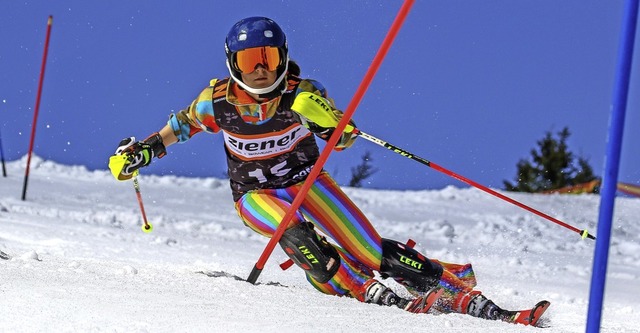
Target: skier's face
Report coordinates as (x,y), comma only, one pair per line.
(259,78)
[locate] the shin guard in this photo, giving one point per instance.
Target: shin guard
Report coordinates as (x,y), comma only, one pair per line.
(408,266)
(311,252)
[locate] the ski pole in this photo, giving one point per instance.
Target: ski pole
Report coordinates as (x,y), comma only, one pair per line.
(333,140)
(409,155)
(146,226)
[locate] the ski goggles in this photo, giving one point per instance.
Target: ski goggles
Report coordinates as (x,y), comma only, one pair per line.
(246,60)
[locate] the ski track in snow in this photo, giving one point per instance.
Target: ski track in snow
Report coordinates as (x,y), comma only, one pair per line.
(74,259)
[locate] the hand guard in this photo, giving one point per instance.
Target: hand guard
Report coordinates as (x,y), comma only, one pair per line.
(131,155)
(316,113)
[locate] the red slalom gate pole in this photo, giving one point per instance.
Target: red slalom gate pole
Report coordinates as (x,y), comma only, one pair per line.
(37,107)
(337,133)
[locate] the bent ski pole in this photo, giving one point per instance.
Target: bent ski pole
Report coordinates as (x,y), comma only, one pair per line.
(146,226)
(409,155)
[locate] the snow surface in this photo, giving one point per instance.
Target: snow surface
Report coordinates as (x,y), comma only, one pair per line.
(74,259)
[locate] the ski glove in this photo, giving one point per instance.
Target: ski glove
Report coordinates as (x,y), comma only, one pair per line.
(316,113)
(131,155)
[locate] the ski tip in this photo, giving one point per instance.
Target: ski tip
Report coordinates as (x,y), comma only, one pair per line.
(537,312)
(529,317)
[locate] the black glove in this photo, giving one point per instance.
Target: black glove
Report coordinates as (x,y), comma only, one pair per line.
(137,154)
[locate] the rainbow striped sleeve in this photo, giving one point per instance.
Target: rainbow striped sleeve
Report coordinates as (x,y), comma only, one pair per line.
(196,118)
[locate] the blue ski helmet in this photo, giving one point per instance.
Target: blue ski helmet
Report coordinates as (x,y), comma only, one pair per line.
(257,32)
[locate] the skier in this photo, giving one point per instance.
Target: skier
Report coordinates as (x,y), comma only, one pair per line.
(268,117)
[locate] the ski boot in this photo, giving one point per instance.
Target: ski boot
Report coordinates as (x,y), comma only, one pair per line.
(477,305)
(378,293)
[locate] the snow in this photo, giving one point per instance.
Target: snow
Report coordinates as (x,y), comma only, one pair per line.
(73,258)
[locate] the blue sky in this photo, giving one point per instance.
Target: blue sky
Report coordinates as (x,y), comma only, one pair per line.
(469,85)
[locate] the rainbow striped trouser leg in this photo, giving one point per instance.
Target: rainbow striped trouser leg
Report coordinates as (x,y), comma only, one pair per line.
(358,243)
(335,215)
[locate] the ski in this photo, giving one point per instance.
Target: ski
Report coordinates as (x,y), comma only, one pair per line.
(224,274)
(527,317)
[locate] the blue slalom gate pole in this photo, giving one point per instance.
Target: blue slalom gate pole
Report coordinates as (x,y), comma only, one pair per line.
(610,178)
(4,169)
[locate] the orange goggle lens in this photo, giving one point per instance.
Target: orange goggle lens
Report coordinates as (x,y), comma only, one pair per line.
(268,56)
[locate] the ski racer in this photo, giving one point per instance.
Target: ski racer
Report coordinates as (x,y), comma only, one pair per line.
(268,117)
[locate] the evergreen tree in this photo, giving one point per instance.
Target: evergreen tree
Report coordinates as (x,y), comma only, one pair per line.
(362,171)
(552,167)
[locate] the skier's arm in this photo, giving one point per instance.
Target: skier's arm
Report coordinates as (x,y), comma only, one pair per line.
(168,136)
(196,118)
(320,116)
(131,155)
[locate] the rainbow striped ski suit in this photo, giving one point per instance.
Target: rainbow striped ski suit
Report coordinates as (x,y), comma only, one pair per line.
(269,155)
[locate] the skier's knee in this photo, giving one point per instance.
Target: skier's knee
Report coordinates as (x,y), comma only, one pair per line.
(408,266)
(311,252)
